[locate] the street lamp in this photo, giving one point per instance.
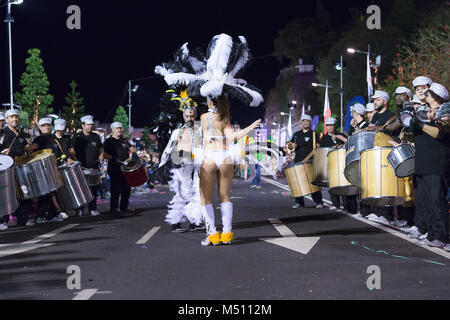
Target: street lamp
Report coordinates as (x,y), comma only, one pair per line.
(368,53)
(134,89)
(340,67)
(9,19)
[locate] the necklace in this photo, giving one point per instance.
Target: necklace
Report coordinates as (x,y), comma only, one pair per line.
(213,110)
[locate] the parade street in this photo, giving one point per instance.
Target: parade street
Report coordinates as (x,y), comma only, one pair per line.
(279,253)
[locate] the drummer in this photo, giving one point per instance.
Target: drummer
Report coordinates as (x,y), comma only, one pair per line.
(420,85)
(336,140)
(358,121)
(370,111)
(303,142)
(49,203)
(87,148)
(431,176)
(117,150)
(63,140)
(15,144)
(2,127)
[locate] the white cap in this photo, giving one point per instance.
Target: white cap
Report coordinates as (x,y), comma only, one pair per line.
(380,94)
(370,107)
(440,90)
(330,121)
(358,108)
(306,117)
(2,116)
(11,112)
(44,121)
(87,119)
(421,81)
(416,99)
(116,125)
(400,90)
(60,124)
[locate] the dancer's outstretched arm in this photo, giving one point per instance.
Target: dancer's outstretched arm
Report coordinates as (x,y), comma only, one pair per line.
(233,136)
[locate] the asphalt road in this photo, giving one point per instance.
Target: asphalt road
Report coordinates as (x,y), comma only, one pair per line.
(338,250)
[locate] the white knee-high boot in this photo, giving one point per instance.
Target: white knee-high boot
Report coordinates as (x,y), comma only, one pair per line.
(226,209)
(208,216)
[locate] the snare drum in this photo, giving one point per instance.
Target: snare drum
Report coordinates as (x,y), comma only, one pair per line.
(337,182)
(8,195)
(135,173)
(379,185)
(299,177)
(401,159)
(93,177)
(320,167)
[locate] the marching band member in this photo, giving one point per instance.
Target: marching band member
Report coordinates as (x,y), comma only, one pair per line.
(87,148)
(49,208)
(117,150)
(15,144)
(432,172)
(334,139)
(63,141)
(303,143)
(358,121)
(370,111)
(3,219)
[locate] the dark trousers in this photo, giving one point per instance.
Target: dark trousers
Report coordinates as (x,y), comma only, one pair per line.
(365,209)
(119,187)
(26,209)
(407,214)
(317,197)
(349,202)
(92,206)
(387,212)
(45,208)
(430,194)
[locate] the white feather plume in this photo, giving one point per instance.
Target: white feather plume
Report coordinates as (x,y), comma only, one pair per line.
(220,54)
(212,89)
(257,98)
(161,71)
(180,78)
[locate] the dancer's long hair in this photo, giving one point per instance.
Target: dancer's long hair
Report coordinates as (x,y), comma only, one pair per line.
(223,106)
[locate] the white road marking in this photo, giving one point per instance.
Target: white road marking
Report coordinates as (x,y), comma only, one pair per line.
(85,294)
(289,240)
(373,224)
(148,235)
(15,248)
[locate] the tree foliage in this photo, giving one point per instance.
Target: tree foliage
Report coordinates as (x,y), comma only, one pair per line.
(74,110)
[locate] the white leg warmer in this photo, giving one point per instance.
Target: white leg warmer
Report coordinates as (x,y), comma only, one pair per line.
(208,216)
(226,209)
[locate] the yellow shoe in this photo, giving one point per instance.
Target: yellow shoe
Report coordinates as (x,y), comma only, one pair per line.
(227,237)
(214,239)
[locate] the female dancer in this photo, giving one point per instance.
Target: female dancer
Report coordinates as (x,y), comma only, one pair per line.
(218,165)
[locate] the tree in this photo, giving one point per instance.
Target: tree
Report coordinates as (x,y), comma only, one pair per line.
(122,117)
(75,108)
(34,97)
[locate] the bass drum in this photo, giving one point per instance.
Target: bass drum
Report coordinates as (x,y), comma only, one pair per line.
(93,177)
(135,173)
(356,144)
(76,191)
(37,175)
(337,182)
(299,177)
(8,194)
(320,167)
(379,185)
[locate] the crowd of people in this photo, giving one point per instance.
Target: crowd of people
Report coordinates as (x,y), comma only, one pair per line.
(85,146)
(422,120)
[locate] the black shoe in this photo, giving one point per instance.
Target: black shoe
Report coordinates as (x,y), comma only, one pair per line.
(128,210)
(115,211)
(177,228)
(195,227)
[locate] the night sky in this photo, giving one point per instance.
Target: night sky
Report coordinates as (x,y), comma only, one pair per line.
(121,40)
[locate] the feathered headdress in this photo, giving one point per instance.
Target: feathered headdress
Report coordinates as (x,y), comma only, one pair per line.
(215,74)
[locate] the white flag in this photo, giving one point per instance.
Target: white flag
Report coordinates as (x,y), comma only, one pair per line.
(326,109)
(289,128)
(369,79)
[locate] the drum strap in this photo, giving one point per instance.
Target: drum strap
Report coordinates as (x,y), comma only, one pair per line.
(389,121)
(59,146)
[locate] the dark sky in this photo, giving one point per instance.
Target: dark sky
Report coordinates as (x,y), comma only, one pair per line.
(121,40)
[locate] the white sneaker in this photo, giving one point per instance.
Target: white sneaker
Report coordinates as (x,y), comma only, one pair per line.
(295,206)
(447,248)
(424,242)
(382,220)
(258,187)
(3,227)
(95,213)
(372,217)
(63,215)
(331,208)
(437,244)
(399,223)
(411,229)
(40,220)
(424,236)
(253,186)
(56,219)
(319,206)
(30,223)
(80,212)
(359,215)
(415,234)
